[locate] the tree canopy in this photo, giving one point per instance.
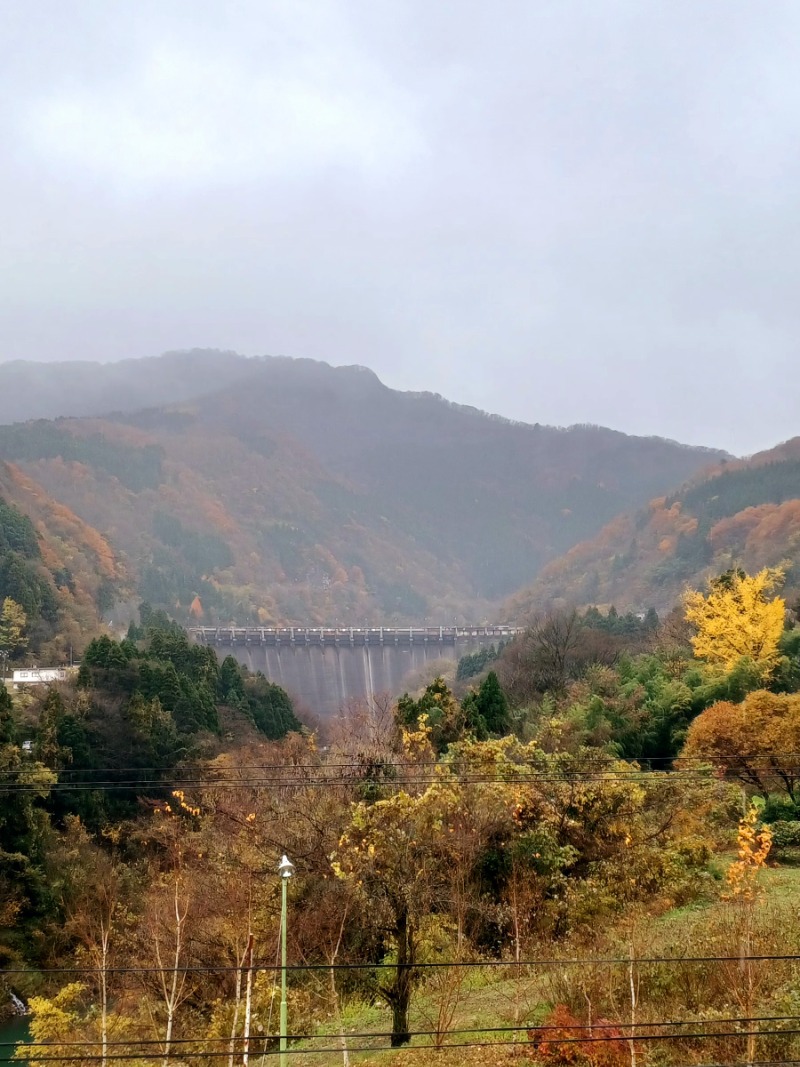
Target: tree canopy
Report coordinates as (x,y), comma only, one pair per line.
(756,741)
(738,618)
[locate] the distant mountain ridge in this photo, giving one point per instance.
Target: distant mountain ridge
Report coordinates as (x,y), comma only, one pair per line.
(739,513)
(76,388)
(275,489)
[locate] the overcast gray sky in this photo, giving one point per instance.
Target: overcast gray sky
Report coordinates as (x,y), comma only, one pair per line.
(559,210)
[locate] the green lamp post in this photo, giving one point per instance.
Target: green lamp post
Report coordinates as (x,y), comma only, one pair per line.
(286,870)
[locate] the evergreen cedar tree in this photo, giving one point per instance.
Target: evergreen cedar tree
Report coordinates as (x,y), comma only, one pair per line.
(187,680)
(482,713)
(26,589)
(144,704)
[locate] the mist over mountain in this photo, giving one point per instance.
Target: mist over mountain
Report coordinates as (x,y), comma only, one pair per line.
(276,489)
(74,388)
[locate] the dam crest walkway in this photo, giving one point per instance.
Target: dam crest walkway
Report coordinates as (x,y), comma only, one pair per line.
(353,636)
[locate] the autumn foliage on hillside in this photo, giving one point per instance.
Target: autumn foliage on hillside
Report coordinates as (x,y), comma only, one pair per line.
(60,570)
(743,514)
(512,863)
(295,492)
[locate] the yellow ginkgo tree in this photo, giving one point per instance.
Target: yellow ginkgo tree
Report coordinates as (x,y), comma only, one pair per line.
(739,617)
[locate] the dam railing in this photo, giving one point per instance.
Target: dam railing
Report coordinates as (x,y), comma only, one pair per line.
(336,636)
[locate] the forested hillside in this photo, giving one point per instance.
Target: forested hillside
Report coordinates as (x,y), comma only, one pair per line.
(57,573)
(303,493)
(139,713)
(589,849)
(743,512)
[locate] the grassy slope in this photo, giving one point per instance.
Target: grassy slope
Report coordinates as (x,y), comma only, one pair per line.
(494,998)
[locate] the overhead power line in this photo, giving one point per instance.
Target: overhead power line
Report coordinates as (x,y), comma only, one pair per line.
(572,961)
(255,1041)
(577,778)
(365,763)
(383,774)
(543,1029)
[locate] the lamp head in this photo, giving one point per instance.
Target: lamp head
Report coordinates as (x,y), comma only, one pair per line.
(285,867)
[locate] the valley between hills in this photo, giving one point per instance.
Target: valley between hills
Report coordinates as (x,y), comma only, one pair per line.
(573,844)
(276,491)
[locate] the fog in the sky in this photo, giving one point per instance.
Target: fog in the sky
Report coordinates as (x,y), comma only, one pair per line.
(559,210)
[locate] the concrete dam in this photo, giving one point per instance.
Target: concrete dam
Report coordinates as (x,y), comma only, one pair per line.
(324,668)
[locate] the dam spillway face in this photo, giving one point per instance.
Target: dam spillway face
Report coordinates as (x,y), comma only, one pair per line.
(324,668)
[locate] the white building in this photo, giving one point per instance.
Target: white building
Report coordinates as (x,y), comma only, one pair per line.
(38,675)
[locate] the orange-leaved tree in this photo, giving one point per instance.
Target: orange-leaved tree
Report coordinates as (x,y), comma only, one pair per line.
(756,742)
(564,1041)
(738,618)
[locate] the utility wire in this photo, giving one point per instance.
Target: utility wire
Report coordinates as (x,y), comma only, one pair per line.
(577,778)
(451,765)
(527,1028)
(294,775)
(362,764)
(460,964)
(738,1034)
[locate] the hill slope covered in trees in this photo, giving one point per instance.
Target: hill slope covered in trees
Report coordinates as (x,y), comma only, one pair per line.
(58,570)
(741,513)
(298,492)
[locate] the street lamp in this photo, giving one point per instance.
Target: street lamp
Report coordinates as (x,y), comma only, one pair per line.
(285,870)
